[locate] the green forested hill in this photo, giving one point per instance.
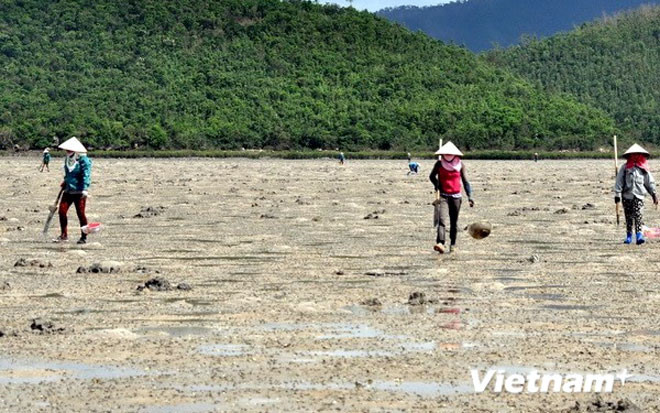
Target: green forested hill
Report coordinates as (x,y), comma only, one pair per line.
(613,64)
(259,73)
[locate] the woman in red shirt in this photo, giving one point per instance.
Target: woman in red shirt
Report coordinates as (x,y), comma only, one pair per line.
(447,176)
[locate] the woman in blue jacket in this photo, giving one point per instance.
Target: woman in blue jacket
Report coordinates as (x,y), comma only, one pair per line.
(77,179)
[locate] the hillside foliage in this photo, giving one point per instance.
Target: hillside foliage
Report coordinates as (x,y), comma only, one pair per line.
(482,24)
(611,64)
(226,74)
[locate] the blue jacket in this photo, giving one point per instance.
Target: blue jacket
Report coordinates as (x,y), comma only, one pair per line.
(80,178)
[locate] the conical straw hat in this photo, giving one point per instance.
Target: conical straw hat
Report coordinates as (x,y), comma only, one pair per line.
(449,149)
(46,150)
(636,149)
(73,145)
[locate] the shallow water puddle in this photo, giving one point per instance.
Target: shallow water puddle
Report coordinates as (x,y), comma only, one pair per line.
(531,287)
(631,347)
(17,371)
(224,350)
(418,388)
(570,307)
(177,331)
(183,408)
(195,302)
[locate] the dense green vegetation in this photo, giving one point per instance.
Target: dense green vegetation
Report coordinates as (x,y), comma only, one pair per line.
(611,64)
(481,24)
(226,74)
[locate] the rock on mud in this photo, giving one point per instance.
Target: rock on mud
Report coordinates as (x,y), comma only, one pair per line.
(599,405)
(148,212)
(184,287)
(419,298)
(372,302)
(145,270)
(45,326)
(156,284)
(105,267)
(22,262)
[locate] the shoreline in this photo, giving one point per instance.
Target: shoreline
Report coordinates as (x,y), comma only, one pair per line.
(376,155)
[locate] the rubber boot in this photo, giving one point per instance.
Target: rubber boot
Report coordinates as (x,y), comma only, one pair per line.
(628,239)
(640,238)
(83,238)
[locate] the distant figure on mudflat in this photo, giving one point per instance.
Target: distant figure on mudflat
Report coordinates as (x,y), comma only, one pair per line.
(633,181)
(413,168)
(536,156)
(45,161)
(342,158)
(447,175)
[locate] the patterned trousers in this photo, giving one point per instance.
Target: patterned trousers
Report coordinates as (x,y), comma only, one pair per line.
(633,209)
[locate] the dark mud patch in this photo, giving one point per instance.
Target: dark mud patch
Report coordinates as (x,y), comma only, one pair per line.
(371,302)
(22,262)
(149,212)
(600,405)
(49,295)
(161,284)
(44,326)
(420,298)
(105,267)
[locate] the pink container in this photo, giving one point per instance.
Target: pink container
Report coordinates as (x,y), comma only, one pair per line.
(651,233)
(91,228)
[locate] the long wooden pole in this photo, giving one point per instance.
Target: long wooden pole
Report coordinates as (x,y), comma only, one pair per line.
(616,172)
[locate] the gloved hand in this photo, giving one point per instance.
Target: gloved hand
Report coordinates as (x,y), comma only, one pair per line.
(617,199)
(62,184)
(85,194)
(655,199)
(471,201)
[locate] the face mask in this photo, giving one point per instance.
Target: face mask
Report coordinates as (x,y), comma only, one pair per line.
(448,158)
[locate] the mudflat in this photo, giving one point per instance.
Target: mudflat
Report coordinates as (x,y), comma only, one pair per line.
(274,285)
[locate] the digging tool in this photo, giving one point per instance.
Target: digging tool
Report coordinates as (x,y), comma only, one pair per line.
(617,206)
(436,209)
(53,209)
(436,203)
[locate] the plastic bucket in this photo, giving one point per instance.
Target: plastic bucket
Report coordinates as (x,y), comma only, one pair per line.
(91,228)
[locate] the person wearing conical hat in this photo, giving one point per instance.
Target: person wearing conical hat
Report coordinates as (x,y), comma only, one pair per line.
(447,175)
(45,160)
(342,158)
(633,181)
(77,179)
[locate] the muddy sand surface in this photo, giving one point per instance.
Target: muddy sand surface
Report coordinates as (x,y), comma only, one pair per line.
(284,286)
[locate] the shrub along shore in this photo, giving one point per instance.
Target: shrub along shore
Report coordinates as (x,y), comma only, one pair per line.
(252,154)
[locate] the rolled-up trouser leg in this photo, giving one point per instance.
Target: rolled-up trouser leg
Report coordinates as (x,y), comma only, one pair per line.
(444,220)
(454,209)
